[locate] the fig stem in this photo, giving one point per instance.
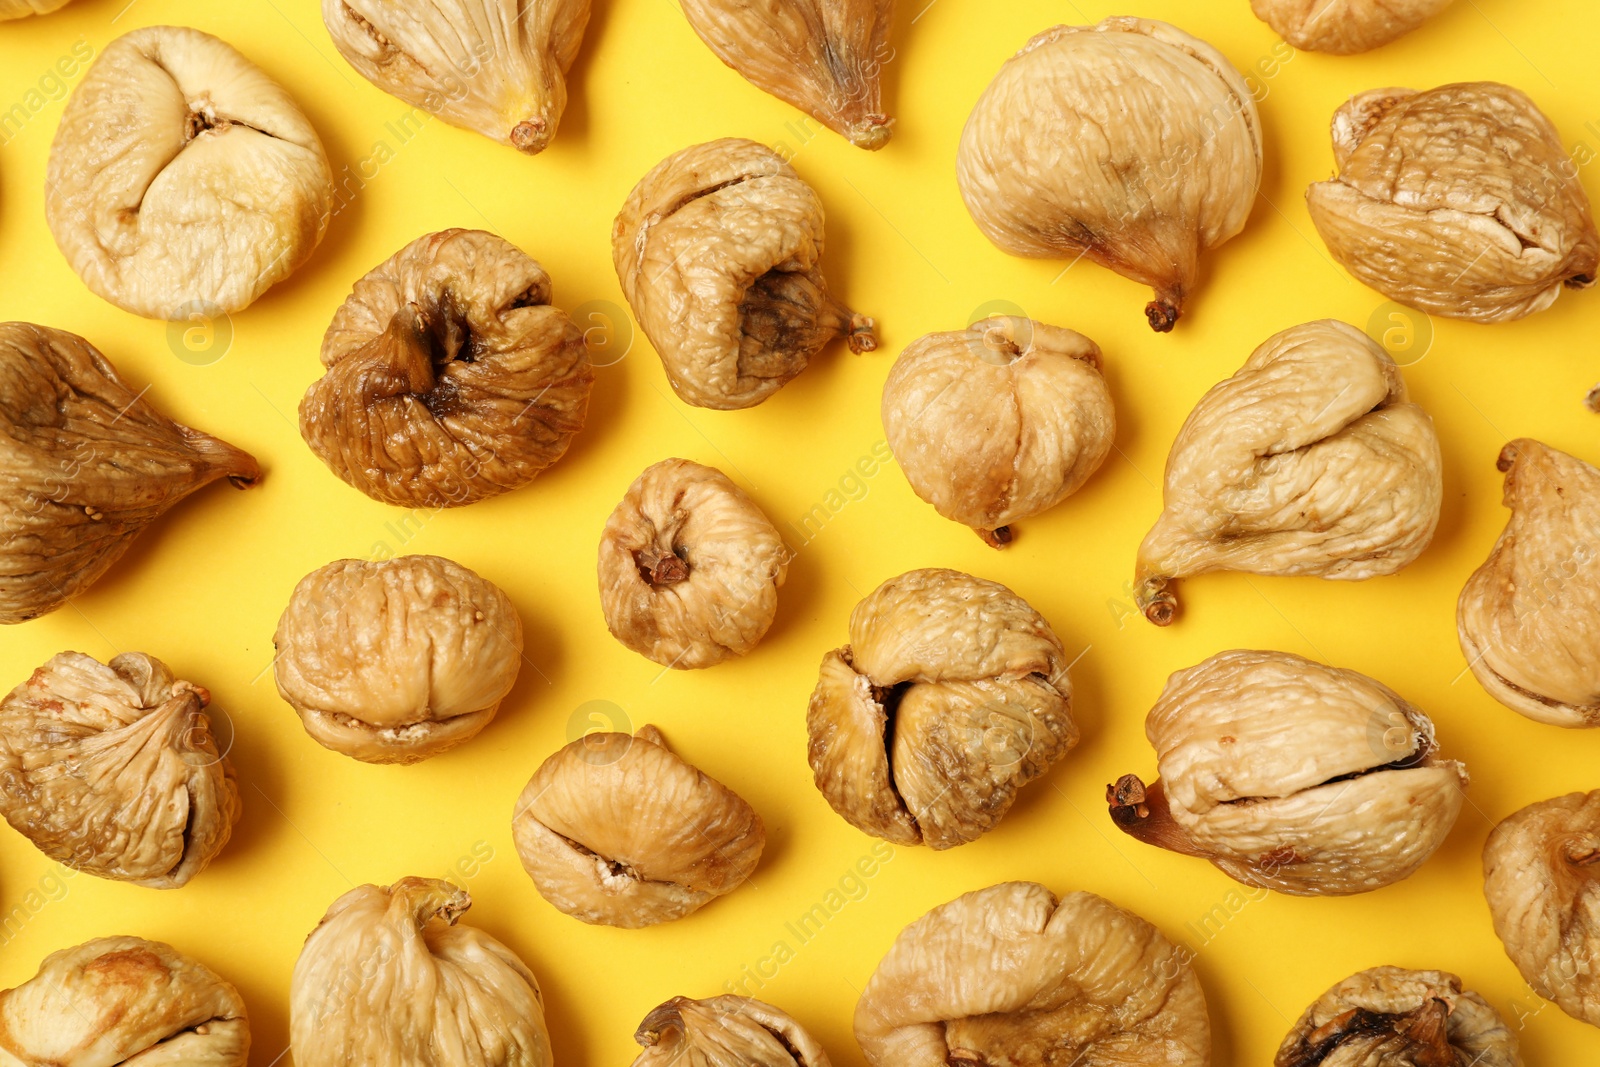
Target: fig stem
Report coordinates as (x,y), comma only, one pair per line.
(1163,316)
(1141,811)
(860,335)
(999,537)
(1158,603)
(531,136)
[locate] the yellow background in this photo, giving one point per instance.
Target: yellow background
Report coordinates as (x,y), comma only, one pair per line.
(204,588)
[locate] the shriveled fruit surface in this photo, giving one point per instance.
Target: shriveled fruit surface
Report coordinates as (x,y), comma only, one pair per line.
(725,1031)
(1345,27)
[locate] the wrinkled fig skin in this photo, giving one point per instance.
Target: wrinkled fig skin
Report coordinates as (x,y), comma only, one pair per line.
(822,56)
(998,422)
(112,769)
(719,252)
(496,67)
(690,567)
(1459,201)
(617,830)
(1130,143)
(1311,460)
(1010,977)
(388,979)
(397,660)
(450,377)
(16,9)
(1529,618)
(1392,1017)
(181,173)
(727,1031)
(1305,779)
(1345,27)
(951,696)
(85,465)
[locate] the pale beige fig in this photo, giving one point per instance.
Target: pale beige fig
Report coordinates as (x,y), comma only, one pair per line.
(727,1031)
(719,252)
(1129,142)
(16,9)
(998,422)
(1010,975)
(496,67)
(394,661)
(950,697)
(389,979)
(183,179)
(1310,460)
(1392,1017)
(690,567)
(449,375)
(1345,27)
(88,463)
(1284,773)
(1459,201)
(822,56)
(618,830)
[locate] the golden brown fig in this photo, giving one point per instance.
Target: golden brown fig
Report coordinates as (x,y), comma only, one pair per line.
(16,9)
(719,252)
(1009,975)
(1311,460)
(618,830)
(1459,201)
(822,56)
(1130,143)
(728,1031)
(1345,27)
(87,465)
(999,421)
(951,696)
(450,376)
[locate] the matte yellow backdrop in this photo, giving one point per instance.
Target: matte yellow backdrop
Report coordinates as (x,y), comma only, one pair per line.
(203,589)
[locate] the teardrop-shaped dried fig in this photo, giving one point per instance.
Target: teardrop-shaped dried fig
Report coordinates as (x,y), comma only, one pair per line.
(1345,27)
(16,9)
(726,1031)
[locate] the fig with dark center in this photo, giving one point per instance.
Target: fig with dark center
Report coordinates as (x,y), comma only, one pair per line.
(726,1031)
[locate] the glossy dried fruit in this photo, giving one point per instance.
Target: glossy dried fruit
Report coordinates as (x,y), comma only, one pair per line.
(396,660)
(450,377)
(950,697)
(618,830)
(1460,201)
(1288,774)
(1130,143)
(88,464)
(1009,975)
(388,977)
(998,422)
(1345,27)
(727,1031)
(16,9)
(183,177)
(1311,460)
(719,252)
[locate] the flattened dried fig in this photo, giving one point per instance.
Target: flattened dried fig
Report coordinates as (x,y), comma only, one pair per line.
(998,422)
(1009,975)
(822,57)
(1311,460)
(1130,143)
(1288,774)
(182,174)
(728,1031)
(397,660)
(690,567)
(951,696)
(450,376)
(719,252)
(1345,27)
(87,465)
(16,9)
(618,830)
(1460,201)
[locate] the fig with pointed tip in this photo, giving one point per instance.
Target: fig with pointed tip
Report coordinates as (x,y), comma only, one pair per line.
(1311,460)
(726,1031)
(1130,143)
(87,464)
(16,9)
(1345,27)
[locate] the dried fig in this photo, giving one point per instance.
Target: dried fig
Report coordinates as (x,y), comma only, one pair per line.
(16,9)
(1288,774)
(496,67)
(719,251)
(1129,142)
(1009,975)
(87,465)
(620,831)
(396,660)
(1459,201)
(1345,27)
(388,978)
(822,57)
(689,567)
(450,376)
(1310,460)
(999,421)
(727,1031)
(951,696)
(183,175)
